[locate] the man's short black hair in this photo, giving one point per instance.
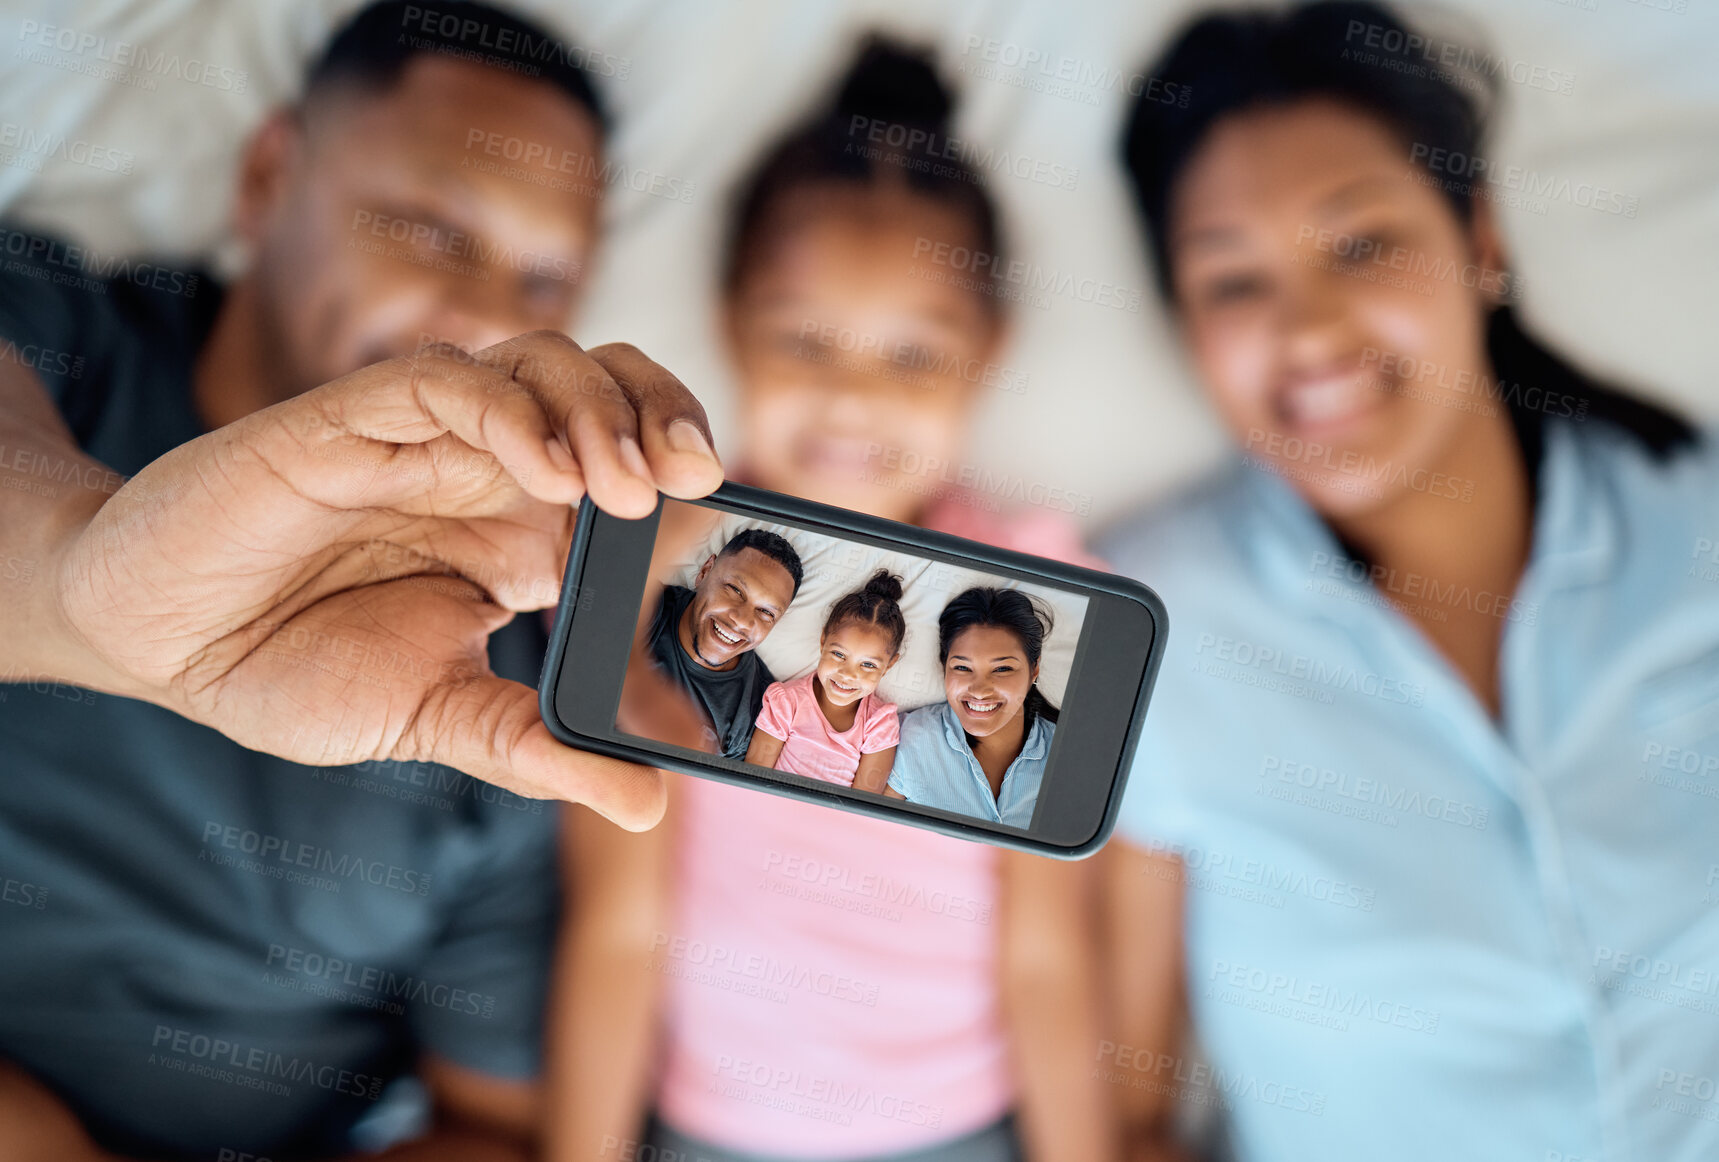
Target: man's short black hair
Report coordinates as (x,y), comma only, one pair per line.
(771,545)
(382,38)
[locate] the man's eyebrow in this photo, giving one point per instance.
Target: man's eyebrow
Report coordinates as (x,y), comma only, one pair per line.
(1350,190)
(739,583)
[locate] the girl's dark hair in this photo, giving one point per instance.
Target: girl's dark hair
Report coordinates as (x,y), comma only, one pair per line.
(1008,609)
(889,122)
(1364,56)
(879,604)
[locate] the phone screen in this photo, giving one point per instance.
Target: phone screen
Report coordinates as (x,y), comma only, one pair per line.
(942,686)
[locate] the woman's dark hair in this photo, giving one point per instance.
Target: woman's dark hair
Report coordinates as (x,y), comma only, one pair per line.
(1363,55)
(889,123)
(879,604)
(1008,609)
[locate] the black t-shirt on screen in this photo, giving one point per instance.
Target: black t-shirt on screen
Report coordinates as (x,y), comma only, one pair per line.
(732,698)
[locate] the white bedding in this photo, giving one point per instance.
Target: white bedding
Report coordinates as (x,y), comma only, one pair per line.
(834,567)
(1109,412)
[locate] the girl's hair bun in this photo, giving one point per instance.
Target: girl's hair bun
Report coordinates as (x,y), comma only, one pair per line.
(884,584)
(887,126)
(891,82)
(878,603)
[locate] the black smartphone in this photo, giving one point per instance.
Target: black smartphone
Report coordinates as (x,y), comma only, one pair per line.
(720,638)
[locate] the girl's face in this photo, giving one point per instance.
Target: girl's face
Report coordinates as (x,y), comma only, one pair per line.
(1333,303)
(855,658)
(859,359)
(986,678)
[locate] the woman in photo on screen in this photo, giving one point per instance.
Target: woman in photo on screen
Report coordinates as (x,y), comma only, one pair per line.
(831,724)
(982,750)
(952,985)
(1435,627)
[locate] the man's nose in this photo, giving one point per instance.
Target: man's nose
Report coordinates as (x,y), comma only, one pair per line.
(473,316)
(474,333)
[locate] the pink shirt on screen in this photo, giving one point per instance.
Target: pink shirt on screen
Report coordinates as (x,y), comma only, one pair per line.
(811,746)
(831,984)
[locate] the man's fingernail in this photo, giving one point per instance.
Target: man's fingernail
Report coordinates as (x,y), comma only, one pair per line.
(633,460)
(684,436)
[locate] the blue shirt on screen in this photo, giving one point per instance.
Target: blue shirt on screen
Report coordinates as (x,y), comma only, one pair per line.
(935,767)
(1414,931)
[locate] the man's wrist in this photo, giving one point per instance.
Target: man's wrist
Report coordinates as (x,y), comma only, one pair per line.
(54,648)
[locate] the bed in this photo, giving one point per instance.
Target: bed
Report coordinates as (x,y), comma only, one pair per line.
(1109,412)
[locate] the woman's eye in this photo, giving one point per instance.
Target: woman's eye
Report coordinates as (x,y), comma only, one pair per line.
(1367,245)
(1235,288)
(790,343)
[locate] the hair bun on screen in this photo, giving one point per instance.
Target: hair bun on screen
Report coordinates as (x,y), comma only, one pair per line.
(884,584)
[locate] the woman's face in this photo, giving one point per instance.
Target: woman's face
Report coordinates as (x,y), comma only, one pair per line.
(855,657)
(1334,304)
(986,678)
(859,362)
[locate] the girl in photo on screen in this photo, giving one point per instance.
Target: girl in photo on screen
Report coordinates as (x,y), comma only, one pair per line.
(982,750)
(953,984)
(1470,562)
(830,724)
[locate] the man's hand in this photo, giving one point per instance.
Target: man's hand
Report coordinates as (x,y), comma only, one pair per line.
(320,579)
(36,1126)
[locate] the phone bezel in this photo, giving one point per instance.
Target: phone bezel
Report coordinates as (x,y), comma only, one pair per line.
(1099,588)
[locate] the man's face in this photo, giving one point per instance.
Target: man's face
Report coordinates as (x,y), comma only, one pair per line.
(459,206)
(737,602)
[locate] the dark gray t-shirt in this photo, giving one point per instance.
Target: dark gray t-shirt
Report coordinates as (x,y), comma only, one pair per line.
(206,949)
(732,698)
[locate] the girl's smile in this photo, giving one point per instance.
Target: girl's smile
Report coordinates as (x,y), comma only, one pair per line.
(854,660)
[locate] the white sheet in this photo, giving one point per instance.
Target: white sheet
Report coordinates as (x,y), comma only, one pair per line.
(1109,412)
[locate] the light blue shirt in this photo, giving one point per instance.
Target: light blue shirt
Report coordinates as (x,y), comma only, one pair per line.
(1412,932)
(935,767)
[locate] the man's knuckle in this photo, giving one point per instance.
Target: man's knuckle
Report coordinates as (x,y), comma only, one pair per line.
(438,352)
(623,350)
(550,338)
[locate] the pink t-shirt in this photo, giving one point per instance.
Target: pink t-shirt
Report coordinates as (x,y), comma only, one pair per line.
(831,980)
(814,748)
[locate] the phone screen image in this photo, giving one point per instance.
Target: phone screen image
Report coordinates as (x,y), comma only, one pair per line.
(946,697)
(873,667)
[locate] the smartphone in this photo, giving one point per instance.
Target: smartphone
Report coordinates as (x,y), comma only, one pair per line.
(695,637)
